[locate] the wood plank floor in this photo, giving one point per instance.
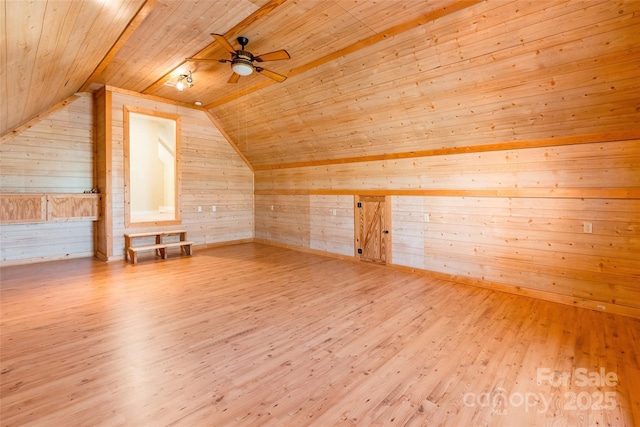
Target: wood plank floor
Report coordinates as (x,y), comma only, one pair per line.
(259,335)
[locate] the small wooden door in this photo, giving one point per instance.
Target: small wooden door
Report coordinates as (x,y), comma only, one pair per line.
(371,230)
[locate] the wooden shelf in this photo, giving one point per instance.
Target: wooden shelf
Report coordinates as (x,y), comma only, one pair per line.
(38,208)
(21,208)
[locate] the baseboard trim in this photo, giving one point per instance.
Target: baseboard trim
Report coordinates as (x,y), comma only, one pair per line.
(8,263)
(220,244)
(305,249)
(102,257)
(600,306)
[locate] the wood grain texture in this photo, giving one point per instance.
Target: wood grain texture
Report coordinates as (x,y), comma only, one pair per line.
(631,134)
(223,14)
(57,155)
(542,193)
(53,156)
(590,168)
(258,335)
(132,26)
(524,243)
(515,217)
(73,207)
(408,230)
(368,79)
(434,13)
(212,175)
(490,73)
(371,223)
(103,171)
(22,208)
(49,52)
(283,219)
(331,226)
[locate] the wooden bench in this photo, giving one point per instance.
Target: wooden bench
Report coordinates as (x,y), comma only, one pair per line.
(160,246)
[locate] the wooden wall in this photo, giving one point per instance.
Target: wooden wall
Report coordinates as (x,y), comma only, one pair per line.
(509,219)
(54,155)
(319,222)
(104,225)
(212,175)
(501,132)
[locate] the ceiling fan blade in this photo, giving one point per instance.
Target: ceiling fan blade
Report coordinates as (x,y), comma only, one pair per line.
(273,56)
(206,60)
(220,39)
(272,75)
(234,78)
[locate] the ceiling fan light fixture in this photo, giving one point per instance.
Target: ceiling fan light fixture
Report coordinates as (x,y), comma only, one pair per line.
(242,60)
(242,67)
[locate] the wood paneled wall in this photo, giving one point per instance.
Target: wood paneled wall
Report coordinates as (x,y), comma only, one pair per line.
(331,225)
(510,219)
(212,175)
(284,219)
(54,155)
(321,223)
(599,165)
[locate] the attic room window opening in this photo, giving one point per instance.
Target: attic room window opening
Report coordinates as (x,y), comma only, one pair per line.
(152,168)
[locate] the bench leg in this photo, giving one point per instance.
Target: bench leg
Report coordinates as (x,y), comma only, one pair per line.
(127,245)
(187,249)
(163,253)
(133,256)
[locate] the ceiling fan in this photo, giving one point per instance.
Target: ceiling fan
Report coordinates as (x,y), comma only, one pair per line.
(242,61)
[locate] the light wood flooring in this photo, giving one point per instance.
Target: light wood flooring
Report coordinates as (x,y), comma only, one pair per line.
(259,335)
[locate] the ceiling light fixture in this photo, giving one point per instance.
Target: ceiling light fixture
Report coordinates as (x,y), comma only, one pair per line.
(242,64)
(185,80)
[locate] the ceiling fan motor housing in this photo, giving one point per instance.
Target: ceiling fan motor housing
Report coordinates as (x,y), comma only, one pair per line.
(242,63)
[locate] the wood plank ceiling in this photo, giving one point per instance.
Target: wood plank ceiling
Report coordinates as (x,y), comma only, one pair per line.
(366,77)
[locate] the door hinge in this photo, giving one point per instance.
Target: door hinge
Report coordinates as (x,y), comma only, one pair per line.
(360,251)
(359,204)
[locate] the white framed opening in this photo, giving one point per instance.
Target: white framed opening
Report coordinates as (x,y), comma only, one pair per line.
(152,167)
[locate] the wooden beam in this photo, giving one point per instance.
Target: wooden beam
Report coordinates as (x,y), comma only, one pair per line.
(623,135)
(376,38)
(255,16)
(153,98)
(547,193)
(133,25)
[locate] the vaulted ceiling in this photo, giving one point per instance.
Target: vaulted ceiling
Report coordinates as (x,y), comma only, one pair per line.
(365,78)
